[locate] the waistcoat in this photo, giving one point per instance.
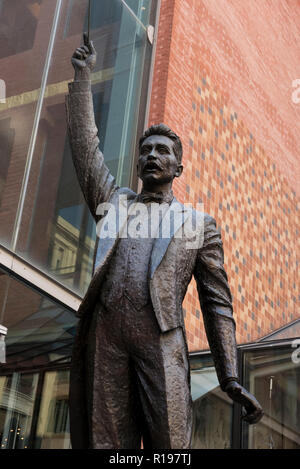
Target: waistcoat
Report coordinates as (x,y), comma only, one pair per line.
(127,272)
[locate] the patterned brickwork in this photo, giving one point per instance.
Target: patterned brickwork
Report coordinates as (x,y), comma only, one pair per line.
(256,210)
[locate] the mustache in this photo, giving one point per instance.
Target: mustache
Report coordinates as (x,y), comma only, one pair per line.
(152,165)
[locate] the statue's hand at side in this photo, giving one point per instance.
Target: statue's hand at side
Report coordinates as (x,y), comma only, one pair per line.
(240,395)
(84,59)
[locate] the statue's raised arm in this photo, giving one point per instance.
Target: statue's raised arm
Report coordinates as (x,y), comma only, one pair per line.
(96,182)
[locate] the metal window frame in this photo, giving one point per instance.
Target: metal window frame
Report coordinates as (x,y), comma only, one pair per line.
(18,268)
(237,422)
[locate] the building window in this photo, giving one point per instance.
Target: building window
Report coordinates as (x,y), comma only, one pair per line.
(17,399)
(53,427)
(34,381)
(274,378)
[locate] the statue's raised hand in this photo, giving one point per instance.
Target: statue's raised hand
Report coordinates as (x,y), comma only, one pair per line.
(252,409)
(84,59)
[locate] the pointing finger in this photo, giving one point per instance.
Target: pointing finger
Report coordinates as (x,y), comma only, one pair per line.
(92,48)
(86,39)
(89,44)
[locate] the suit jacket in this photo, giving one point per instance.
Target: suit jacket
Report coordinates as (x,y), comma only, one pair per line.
(171,266)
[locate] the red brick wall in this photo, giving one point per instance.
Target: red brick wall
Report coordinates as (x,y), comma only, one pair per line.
(223,81)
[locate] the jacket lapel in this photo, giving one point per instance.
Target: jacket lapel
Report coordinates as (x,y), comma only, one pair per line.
(174,218)
(172,221)
(118,214)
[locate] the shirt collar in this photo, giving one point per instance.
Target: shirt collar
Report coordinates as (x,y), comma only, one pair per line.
(158,197)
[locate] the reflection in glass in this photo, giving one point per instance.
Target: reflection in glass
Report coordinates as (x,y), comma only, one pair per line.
(7,135)
(212,409)
(57,233)
(40,332)
(53,430)
(274,378)
(17,398)
(24,36)
(60,236)
(16,17)
(34,404)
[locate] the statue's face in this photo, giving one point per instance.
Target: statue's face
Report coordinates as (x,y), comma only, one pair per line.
(157,162)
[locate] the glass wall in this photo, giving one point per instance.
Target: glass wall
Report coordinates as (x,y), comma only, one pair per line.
(212,409)
(273,376)
(43,216)
(24,36)
(53,426)
(271,372)
(17,398)
(34,381)
(34,412)
(40,332)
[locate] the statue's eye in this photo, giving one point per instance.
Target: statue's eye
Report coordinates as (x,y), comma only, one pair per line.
(163,150)
(145,150)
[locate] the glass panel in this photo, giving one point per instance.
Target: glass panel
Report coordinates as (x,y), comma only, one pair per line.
(212,409)
(53,430)
(103,13)
(141,8)
(17,398)
(25,27)
(57,232)
(273,376)
(40,331)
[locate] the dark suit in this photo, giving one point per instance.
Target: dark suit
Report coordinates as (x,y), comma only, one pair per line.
(171,267)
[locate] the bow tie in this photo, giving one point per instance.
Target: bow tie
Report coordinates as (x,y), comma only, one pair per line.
(157,197)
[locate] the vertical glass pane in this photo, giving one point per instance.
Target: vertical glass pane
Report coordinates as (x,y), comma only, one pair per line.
(212,409)
(17,398)
(53,429)
(4,284)
(273,376)
(25,27)
(57,233)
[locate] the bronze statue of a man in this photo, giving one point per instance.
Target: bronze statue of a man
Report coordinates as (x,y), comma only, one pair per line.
(130,376)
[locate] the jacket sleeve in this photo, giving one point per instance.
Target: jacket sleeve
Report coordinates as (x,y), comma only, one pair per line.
(96,182)
(216,303)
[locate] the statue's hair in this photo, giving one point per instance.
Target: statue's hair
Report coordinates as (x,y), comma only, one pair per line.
(162,129)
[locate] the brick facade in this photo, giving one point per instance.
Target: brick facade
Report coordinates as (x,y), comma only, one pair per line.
(223,81)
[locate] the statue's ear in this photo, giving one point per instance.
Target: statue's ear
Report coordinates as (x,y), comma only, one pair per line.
(179,171)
